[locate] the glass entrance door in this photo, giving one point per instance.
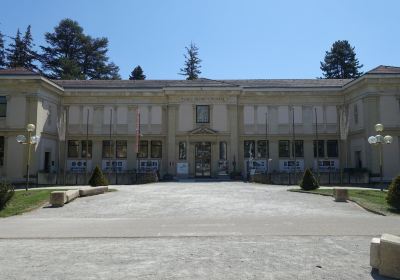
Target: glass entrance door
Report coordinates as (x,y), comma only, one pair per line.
(202,158)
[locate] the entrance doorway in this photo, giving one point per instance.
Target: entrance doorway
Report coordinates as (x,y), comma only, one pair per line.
(202,157)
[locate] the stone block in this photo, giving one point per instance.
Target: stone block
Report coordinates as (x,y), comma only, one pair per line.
(58,198)
(93,191)
(374,258)
(340,195)
(389,252)
(71,195)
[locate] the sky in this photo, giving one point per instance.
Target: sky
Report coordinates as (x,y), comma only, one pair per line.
(253,39)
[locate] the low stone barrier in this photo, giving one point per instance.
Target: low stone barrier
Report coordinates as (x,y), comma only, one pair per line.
(340,195)
(93,191)
(59,198)
(385,255)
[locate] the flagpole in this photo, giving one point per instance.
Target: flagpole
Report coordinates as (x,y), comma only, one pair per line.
(294,145)
(110,150)
(87,144)
(137,138)
(316,136)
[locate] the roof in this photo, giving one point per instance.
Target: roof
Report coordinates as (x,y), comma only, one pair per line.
(383,69)
(203,83)
(18,71)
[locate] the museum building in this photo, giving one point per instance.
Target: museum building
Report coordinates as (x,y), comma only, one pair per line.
(200,128)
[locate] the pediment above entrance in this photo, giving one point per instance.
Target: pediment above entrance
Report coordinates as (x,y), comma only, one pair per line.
(203,131)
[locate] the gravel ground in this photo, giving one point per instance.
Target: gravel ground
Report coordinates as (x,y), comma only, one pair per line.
(224,230)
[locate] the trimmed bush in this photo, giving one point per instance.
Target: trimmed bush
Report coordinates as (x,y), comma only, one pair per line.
(393,195)
(309,182)
(98,178)
(6,193)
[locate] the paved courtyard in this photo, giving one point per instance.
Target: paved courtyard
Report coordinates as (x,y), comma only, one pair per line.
(224,230)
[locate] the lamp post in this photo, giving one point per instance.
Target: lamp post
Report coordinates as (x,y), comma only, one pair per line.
(378,140)
(30,140)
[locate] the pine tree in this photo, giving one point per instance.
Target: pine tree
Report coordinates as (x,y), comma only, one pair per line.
(393,194)
(3,62)
(341,62)
(192,65)
(309,182)
(137,74)
(71,54)
(21,53)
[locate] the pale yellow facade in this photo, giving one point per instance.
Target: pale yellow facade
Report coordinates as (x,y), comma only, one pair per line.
(199,128)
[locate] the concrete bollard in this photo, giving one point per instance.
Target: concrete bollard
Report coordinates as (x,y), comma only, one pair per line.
(340,195)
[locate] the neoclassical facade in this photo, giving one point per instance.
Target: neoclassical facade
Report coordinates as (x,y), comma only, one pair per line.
(201,128)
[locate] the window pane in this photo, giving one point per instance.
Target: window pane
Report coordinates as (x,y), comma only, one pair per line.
(283,148)
(1,150)
(299,148)
(108,149)
(73,148)
(202,114)
(121,149)
(249,148)
(262,149)
(321,150)
(156,149)
(182,150)
(223,153)
(143,149)
(332,148)
(3,106)
(89,147)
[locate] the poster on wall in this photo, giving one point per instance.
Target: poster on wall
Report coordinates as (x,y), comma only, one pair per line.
(327,165)
(182,168)
(79,166)
(114,165)
(257,165)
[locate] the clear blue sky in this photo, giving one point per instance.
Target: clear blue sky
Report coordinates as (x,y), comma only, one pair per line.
(236,38)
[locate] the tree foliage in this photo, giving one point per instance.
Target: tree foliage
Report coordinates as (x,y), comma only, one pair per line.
(6,193)
(70,54)
(98,178)
(341,62)
(192,65)
(20,53)
(137,74)
(393,195)
(309,182)
(3,62)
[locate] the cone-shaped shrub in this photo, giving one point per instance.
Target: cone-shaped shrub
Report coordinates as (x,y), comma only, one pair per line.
(98,179)
(6,193)
(308,182)
(393,195)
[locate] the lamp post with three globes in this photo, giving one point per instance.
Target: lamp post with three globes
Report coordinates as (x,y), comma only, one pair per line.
(30,140)
(378,140)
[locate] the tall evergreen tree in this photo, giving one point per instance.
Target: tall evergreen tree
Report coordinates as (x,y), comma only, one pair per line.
(192,65)
(341,62)
(21,53)
(71,54)
(3,62)
(137,74)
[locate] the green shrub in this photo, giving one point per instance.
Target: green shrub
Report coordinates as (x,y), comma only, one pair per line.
(393,195)
(308,182)
(6,193)
(98,179)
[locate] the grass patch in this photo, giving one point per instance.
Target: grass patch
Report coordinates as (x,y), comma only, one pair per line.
(373,200)
(25,201)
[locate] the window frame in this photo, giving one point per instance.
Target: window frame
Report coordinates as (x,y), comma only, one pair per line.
(3,103)
(294,144)
(247,147)
(69,151)
(197,113)
(280,151)
(319,145)
(106,149)
(336,153)
(2,150)
(153,144)
(121,144)
(145,152)
(182,150)
(223,150)
(266,149)
(83,148)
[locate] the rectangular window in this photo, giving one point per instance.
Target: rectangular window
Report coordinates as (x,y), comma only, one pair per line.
(321,149)
(143,149)
(262,149)
(108,149)
(182,150)
(223,153)
(284,148)
(73,148)
(83,150)
(332,148)
(298,148)
(156,149)
(249,148)
(121,149)
(1,150)
(355,114)
(3,106)
(202,114)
